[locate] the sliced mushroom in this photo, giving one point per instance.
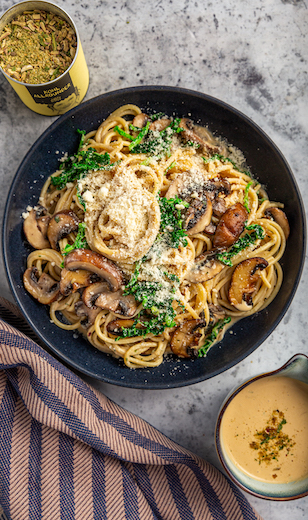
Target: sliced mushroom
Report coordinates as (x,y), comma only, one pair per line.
(43,288)
(243,282)
(88,315)
(186,337)
(96,263)
(118,303)
(61,225)
(204,200)
(115,327)
(230,226)
(92,292)
(71,281)
(35,228)
(140,120)
(99,295)
(281,218)
(218,186)
(205,267)
(219,207)
(198,215)
(210,229)
(216,313)
(159,125)
(175,187)
(189,134)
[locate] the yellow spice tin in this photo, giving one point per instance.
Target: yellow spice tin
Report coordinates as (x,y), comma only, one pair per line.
(66,91)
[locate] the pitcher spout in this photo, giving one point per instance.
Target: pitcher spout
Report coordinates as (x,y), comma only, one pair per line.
(296,367)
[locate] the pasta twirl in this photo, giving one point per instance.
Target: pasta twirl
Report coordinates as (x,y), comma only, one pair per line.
(153,239)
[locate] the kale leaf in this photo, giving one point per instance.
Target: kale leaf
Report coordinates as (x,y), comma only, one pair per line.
(243,242)
(213,336)
(80,241)
(77,166)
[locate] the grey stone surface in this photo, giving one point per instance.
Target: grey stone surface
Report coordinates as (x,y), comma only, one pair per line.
(252,55)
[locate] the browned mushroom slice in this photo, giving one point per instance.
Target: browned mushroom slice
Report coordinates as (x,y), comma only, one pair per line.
(99,295)
(281,218)
(118,303)
(61,224)
(115,327)
(217,186)
(205,267)
(140,120)
(230,226)
(159,125)
(87,315)
(219,207)
(210,229)
(186,337)
(216,313)
(217,189)
(189,134)
(198,215)
(35,228)
(71,281)
(96,263)
(175,187)
(243,282)
(43,288)
(92,292)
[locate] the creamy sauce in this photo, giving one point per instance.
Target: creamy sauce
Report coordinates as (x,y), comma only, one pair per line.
(265,429)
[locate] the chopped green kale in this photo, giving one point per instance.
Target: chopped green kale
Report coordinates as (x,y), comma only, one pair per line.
(245,202)
(157,312)
(123,133)
(139,137)
(171,222)
(213,336)
(158,115)
(243,242)
(80,241)
(157,143)
(77,166)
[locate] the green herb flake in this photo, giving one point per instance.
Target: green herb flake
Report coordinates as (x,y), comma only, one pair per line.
(270,441)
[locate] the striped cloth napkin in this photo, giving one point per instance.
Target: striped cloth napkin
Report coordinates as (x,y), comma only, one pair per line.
(68,452)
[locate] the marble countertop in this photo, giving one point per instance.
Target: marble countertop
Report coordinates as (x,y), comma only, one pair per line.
(253,56)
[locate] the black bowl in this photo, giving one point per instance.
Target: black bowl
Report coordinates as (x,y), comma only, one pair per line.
(267,165)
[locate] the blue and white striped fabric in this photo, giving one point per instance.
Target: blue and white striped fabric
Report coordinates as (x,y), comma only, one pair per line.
(68,452)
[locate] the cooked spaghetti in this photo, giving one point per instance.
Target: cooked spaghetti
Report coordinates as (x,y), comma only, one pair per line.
(153,239)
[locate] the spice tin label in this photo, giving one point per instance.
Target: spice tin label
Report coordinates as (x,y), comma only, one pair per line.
(53,95)
(63,93)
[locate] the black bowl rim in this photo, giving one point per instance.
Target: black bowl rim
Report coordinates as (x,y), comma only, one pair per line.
(124,92)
